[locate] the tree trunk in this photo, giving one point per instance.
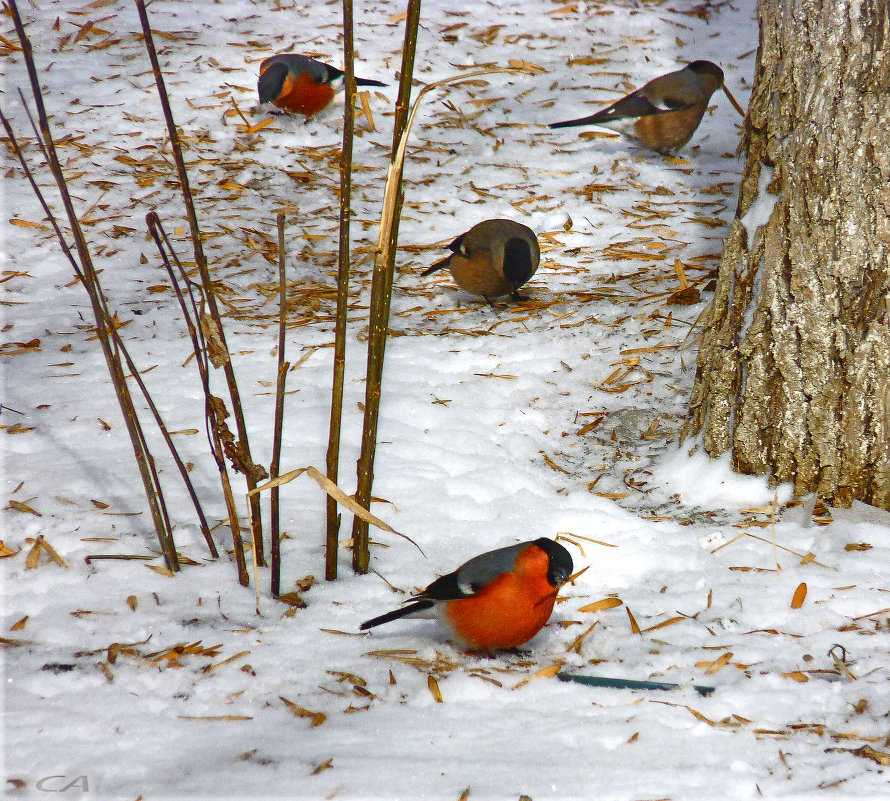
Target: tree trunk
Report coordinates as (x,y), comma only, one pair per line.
(794,366)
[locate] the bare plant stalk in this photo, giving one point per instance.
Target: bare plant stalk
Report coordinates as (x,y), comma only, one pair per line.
(240,454)
(90,281)
(214,410)
(279,414)
(118,341)
(333,457)
(381,294)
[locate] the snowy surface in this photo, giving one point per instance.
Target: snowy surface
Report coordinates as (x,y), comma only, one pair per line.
(557,416)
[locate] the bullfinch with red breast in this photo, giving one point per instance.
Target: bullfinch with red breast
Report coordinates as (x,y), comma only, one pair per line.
(493,258)
(300,84)
(499,599)
(665,112)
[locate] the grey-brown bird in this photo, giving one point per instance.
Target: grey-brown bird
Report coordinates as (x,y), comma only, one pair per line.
(493,258)
(665,112)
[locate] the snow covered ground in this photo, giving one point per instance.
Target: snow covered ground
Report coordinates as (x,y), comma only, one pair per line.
(557,416)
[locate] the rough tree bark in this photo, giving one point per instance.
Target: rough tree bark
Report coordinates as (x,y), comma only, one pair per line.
(794,366)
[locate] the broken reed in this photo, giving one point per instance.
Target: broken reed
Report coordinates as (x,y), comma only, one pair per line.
(240,453)
(214,412)
(104,321)
(381,295)
(332,535)
(283,366)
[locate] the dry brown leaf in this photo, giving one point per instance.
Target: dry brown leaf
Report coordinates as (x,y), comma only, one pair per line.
(19,624)
(317,717)
(800,595)
(665,623)
(543,673)
(292,599)
(434,688)
(719,663)
(6,552)
(521,64)
(867,752)
(688,296)
(576,645)
(603,603)
(797,676)
(681,274)
(634,626)
(211,668)
(33,556)
(699,716)
(328,763)
(23,507)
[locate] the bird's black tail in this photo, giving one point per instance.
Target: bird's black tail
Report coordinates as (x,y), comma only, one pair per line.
(417,606)
(593,119)
(438,265)
(368,82)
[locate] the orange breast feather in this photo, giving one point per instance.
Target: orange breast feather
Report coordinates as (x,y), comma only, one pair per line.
(302,95)
(510,610)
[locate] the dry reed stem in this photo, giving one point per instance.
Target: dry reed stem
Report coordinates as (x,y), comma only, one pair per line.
(381,294)
(104,322)
(244,463)
(332,460)
(214,411)
(115,334)
(275,531)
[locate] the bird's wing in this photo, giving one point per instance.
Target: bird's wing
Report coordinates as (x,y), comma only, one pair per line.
(672,92)
(297,63)
(636,104)
(472,576)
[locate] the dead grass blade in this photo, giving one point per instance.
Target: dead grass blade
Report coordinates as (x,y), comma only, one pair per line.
(335,492)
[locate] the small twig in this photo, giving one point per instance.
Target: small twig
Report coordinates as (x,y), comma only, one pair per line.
(734,102)
(116,556)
